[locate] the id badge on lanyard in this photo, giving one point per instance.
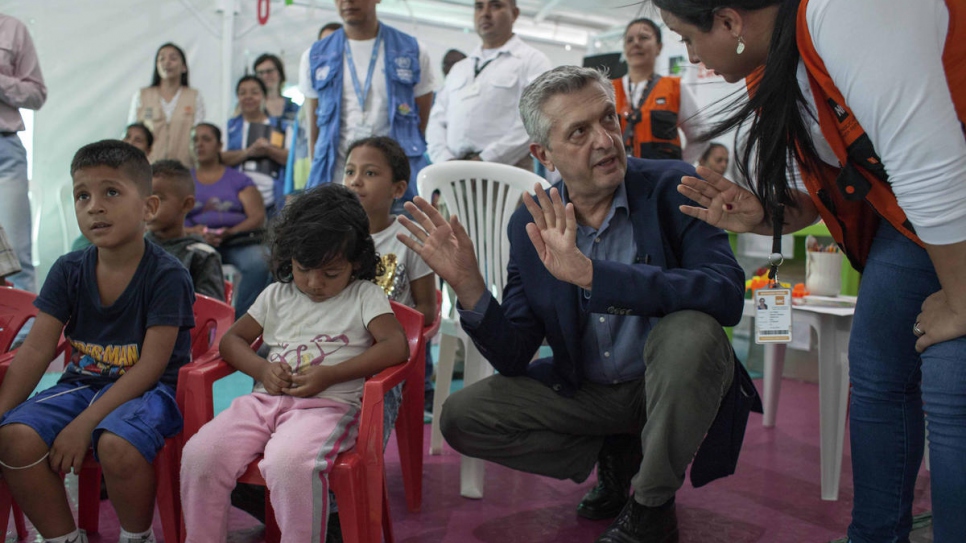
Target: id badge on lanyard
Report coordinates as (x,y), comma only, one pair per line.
(773,304)
(773,315)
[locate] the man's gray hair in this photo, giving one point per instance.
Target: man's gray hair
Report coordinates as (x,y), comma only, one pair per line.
(560,80)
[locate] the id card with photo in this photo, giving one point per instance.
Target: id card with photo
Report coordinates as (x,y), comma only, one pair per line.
(773,315)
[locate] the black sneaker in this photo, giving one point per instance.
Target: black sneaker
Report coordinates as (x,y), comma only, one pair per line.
(618,461)
(639,524)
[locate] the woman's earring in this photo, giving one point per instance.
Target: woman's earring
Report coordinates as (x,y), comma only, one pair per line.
(741,45)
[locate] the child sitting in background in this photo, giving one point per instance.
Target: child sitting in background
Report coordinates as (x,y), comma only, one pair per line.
(140,136)
(175,189)
(127,307)
(377,170)
(328,328)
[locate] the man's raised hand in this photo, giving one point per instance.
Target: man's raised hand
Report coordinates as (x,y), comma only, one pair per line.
(553,233)
(445,247)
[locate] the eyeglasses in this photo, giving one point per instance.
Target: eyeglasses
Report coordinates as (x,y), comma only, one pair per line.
(269,71)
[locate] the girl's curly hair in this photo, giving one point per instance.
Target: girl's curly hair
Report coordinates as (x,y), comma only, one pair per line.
(321,225)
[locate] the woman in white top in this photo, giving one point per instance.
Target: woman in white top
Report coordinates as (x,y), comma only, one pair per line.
(169,107)
(654,109)
(869,97)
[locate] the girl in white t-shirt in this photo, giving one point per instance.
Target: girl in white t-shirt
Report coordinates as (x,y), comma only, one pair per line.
(328,327)
(377,170)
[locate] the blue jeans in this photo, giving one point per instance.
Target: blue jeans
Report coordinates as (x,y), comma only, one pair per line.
(890,385)
(252,263)
(15,209)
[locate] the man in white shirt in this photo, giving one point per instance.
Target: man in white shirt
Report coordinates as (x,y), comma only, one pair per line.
(476,116)
(366,106)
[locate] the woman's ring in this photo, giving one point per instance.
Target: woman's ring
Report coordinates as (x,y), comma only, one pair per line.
(916,330)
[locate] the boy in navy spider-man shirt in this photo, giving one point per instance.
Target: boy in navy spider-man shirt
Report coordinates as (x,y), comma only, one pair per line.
(125,305)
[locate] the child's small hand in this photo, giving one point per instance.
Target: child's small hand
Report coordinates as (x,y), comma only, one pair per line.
(70,447)
(310,381)
(276,378)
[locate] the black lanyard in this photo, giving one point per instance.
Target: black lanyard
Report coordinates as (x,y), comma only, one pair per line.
(647,90)
(775,259)
(634,116)
(477,69)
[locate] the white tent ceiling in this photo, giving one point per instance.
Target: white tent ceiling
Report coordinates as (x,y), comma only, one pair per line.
(565,21)
(95,54)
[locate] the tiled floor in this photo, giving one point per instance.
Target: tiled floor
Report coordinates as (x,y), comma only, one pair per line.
(774,497)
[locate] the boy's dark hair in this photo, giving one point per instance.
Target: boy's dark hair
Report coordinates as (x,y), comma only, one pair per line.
(278,66)
(156,78)
(329,26)
(177,173)
(319,226)
(144,128)
(395,156)
(249,77)
(118,155)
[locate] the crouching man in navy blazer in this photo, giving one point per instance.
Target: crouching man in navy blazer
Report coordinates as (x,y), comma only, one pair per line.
(631,295)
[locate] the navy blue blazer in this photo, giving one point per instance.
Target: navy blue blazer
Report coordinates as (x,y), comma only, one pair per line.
(681,263)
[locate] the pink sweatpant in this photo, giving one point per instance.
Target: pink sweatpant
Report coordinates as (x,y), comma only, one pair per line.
(300,438)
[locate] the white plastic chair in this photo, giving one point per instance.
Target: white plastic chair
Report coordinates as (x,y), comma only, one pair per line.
(483,195)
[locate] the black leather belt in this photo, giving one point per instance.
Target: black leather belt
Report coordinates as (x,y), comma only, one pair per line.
(8,134)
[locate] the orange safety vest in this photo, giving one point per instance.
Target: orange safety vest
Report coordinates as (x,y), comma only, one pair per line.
(656,134)
(853,197)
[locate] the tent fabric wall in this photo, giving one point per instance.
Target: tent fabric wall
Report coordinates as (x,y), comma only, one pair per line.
(96,55)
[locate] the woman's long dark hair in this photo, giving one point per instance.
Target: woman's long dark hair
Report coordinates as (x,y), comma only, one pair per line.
(156,78)
(777,131)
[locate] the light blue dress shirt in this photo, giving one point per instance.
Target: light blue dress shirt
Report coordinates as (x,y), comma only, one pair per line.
(612,346)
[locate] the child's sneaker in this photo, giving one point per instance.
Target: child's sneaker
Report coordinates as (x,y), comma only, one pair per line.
(78,537)
(137,538)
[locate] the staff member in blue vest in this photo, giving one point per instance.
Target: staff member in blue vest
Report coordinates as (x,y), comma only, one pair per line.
(350,99)
(262,158)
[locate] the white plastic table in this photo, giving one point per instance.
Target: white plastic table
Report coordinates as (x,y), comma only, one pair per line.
(832,322)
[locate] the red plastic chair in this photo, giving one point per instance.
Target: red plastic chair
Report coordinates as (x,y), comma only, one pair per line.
(212,319)
(409,424)
(358,476)
(16,308)
(229,290)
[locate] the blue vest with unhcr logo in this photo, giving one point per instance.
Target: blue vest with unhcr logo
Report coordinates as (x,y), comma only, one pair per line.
(401,61)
